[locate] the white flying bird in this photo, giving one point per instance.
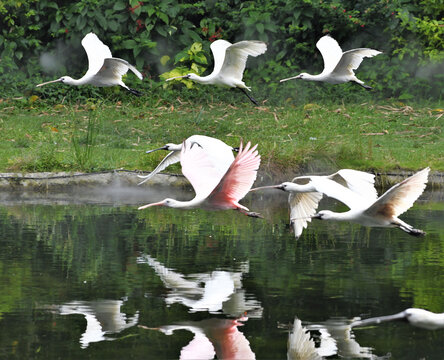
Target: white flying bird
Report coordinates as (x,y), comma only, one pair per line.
(220,153)
(306,192)
(103,68)
(338,66)
(229,64)
(215,188)
(385,210)
(416,317)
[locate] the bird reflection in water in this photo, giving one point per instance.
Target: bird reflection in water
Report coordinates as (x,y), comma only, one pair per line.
(212,337)
(102,317)
(330,338)
(216,291)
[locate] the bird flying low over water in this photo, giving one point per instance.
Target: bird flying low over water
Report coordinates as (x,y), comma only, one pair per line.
(229,64)
(216,189)
(416,317)
(103,68)
(338,65)
(382,212)
(220,154)
(307,191)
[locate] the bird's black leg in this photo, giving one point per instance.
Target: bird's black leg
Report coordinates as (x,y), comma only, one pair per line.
(366,87)
(250,213)
(252,99)
(135,92)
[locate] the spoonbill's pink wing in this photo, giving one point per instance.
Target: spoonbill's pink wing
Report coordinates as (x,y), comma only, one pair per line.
(218,49)
(400,197)
(200,348)
(199,169)
(351,60)
(239,178)
(96,51)
(302,207)
(236,57)
(331,53)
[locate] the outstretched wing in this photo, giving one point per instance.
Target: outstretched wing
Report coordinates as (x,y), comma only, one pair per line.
(359,182)
(239,178)
(236,57)
(400,197)
(351,60)
(218,49)
(172,158)
(302,207)
(115,68)
(96,51)
(331,52)
(199,169)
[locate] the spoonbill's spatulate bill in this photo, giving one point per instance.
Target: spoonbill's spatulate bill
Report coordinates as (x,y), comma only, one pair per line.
(220,153)
(229,64)
(338,65)
(385,210)
(416,317)
(103,68)
(214,188)
(306,192)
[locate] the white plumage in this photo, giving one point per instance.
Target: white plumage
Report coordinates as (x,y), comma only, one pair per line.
(338,65)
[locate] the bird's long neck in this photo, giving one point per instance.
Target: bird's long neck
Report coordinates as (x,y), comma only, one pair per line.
(74,82)
(309,77)
(300,188)
(202,79)
(342,216)
(177,204)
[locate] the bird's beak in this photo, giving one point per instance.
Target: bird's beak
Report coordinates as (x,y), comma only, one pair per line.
(160,203)
(49,82)
(291,78)
(161,148)
(179,77)
(316,216)
(279,187)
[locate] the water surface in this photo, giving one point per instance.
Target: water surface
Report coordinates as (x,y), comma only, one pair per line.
(86,275)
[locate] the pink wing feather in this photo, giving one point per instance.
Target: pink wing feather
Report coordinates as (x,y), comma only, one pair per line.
(238,180)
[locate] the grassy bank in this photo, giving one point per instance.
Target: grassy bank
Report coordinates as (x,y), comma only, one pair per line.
(94,135)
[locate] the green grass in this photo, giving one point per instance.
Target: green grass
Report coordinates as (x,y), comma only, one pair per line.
(97,135)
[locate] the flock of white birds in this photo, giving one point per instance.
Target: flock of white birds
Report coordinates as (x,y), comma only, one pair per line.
(221,180)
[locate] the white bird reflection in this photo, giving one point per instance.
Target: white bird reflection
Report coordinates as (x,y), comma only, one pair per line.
(216,291)
(102,317)
(335,337)
(212,337)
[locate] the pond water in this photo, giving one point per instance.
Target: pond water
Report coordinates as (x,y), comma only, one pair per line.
(86,275)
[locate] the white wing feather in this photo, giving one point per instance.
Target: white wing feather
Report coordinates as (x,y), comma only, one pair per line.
(351,60)
(400,197)
(331,53)
(359,182)
(236,57)
(172,158)
(302,207)
(218,49)
(96,51)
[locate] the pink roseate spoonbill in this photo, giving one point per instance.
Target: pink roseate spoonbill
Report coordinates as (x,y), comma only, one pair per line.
(416,317)
(338,65)
(385,210)
(216,190)
(229,64)
(103,68)
(221,153)
(307,191)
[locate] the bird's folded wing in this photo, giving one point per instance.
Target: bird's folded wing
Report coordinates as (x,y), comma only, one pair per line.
(351,60)
(359,182)
(236,57)
(199,169)
(172,158)
(239,178)
(302,207)
(331,53)
(96,51)
(400,197)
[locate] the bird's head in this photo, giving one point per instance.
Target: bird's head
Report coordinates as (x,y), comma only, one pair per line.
(63,79)
(187,76)
(284,186)
(302,76)
(165,202)
(168,147)
(323,215)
